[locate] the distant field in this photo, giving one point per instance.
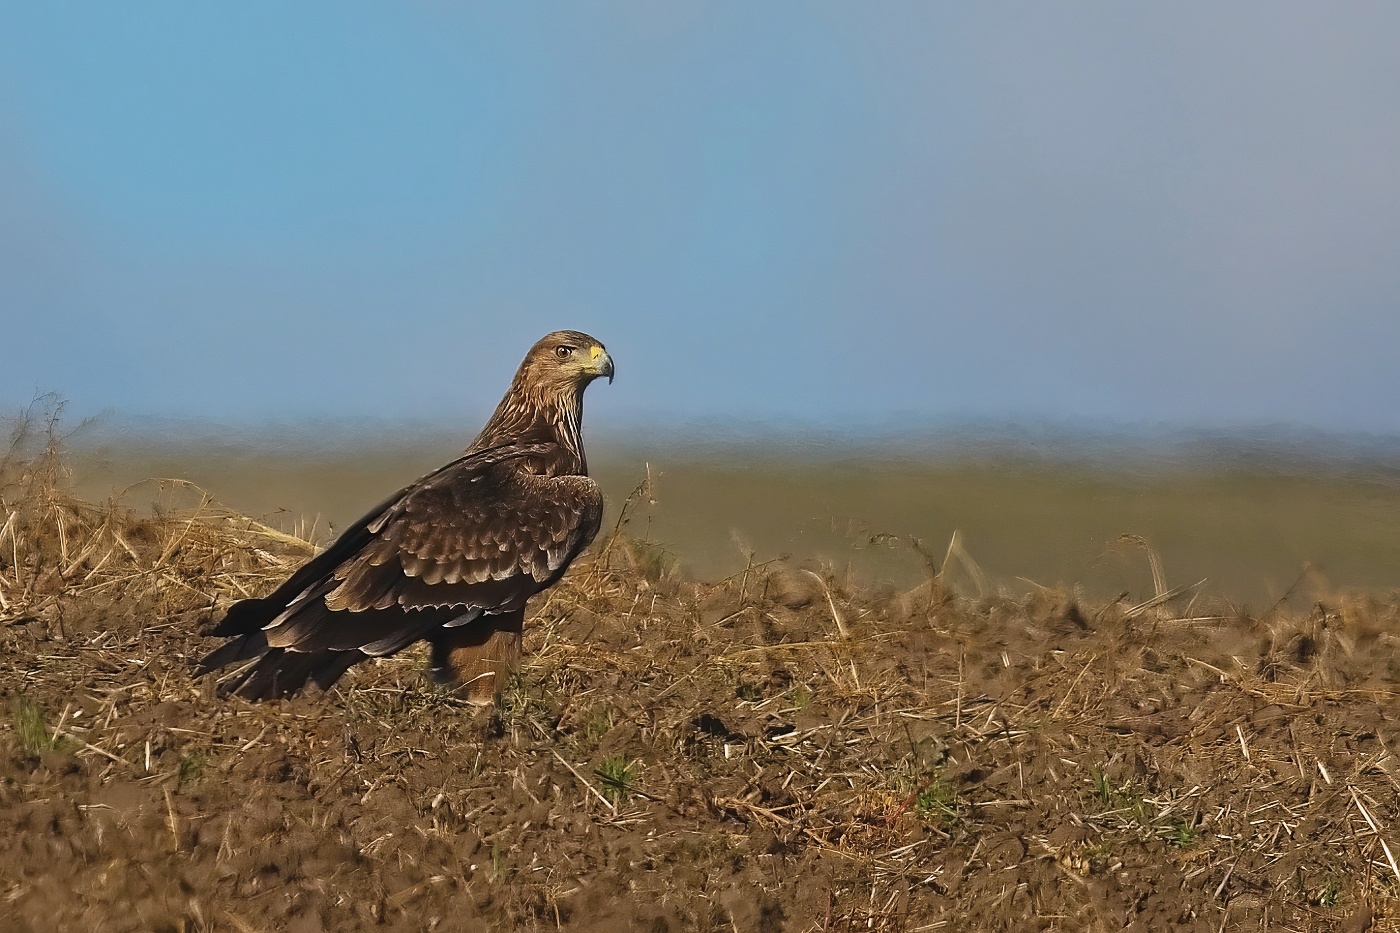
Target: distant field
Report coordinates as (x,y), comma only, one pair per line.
(1249,530)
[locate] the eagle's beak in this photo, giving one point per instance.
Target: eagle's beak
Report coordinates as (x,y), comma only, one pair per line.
(600,364)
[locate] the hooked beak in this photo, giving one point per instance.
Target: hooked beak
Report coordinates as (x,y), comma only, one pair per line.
(600,364)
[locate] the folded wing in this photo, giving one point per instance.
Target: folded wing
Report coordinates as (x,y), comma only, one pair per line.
(477,537)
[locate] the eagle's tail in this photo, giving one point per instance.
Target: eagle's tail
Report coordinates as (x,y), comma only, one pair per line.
(274,672)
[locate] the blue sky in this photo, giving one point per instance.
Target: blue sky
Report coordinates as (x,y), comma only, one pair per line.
(1181,212)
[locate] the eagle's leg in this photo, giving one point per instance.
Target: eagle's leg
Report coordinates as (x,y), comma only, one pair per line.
(478,658)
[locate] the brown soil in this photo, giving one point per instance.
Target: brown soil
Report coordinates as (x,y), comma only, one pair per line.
(780,751)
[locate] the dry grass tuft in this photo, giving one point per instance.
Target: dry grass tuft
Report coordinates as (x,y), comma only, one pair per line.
(57,550)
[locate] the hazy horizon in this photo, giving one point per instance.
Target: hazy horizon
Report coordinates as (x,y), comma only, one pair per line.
(1247,512)
(1139,444)
(1246,517)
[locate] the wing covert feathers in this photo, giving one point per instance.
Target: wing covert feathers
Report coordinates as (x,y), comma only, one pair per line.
(476,538)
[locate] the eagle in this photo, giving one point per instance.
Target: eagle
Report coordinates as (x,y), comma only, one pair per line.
(451,559)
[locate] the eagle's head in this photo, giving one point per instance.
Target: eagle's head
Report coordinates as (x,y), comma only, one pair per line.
(567,359)
(545,400)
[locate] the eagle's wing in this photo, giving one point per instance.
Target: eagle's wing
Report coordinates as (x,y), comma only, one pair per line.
(479,536)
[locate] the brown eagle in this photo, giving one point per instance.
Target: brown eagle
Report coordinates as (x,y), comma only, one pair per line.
(451,559)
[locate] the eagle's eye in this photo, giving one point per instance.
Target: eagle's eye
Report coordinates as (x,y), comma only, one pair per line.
(563,352)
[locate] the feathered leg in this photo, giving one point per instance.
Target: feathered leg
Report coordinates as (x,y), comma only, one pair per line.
(478,658)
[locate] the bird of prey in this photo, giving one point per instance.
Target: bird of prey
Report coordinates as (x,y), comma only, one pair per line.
(451,559)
